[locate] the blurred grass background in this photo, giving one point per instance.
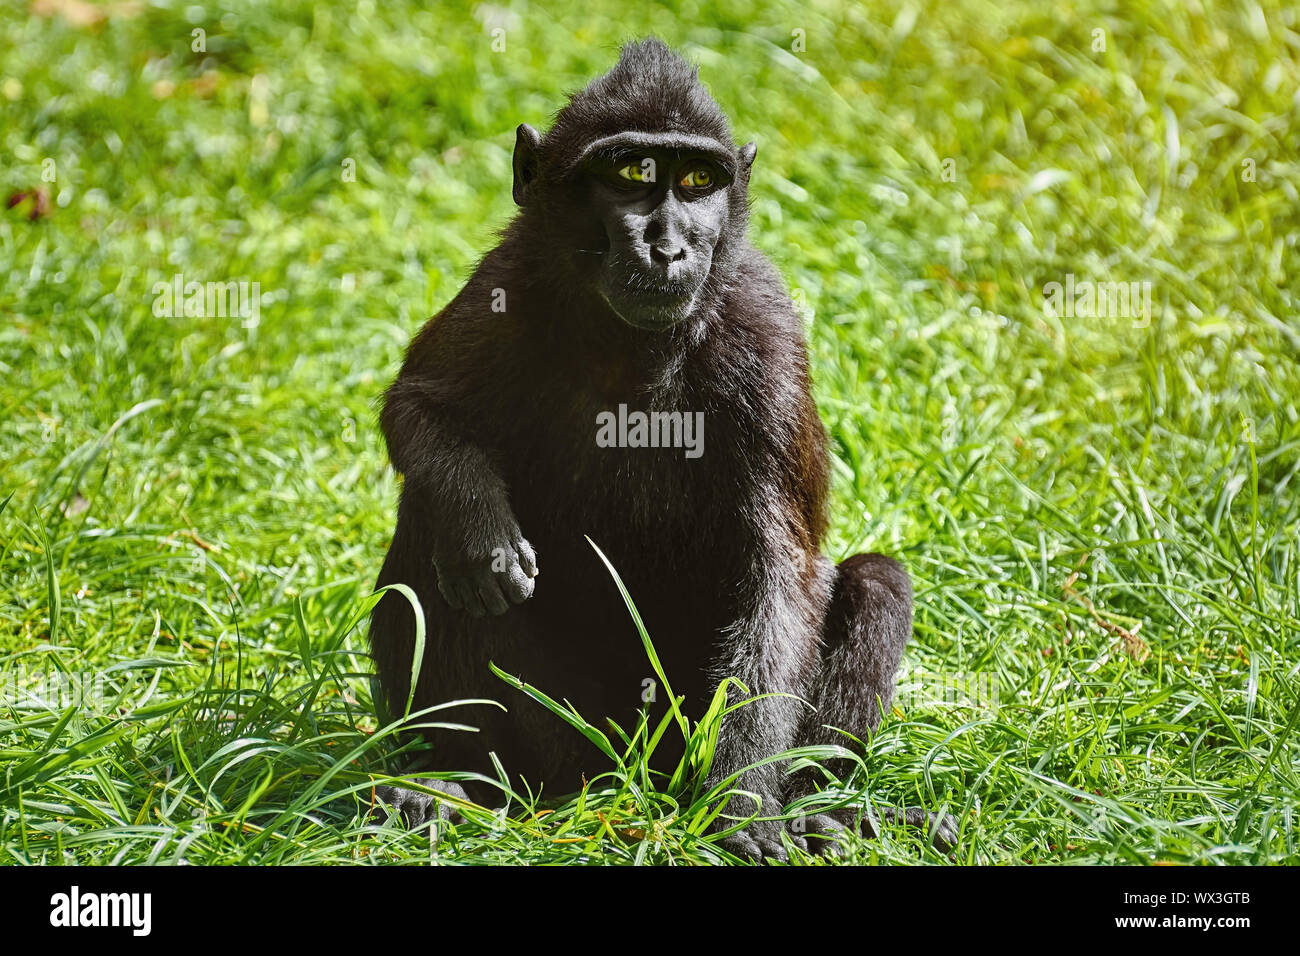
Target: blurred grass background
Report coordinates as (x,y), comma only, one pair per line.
(1100,514)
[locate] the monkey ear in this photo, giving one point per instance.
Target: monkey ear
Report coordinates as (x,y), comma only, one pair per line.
(747,154)
(527,140)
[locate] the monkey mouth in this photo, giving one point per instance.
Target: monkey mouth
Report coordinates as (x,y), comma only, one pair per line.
(654,309)
(652,289)
(664,295)
(651,298)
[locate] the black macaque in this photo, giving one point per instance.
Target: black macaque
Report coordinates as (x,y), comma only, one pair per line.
(523,421)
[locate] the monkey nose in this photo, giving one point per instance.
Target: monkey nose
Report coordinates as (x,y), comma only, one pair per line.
(666,253)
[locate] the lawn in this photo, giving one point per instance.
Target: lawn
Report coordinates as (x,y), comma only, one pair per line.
(1098,505)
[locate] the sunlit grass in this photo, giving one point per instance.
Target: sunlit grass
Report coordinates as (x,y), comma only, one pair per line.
(1100,514)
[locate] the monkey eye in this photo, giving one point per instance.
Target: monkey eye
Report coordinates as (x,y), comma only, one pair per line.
(698,178)
(641,171)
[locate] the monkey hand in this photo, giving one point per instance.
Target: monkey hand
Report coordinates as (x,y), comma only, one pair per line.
(487,578)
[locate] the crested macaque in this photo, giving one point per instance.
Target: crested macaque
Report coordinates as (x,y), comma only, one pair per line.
(625,366)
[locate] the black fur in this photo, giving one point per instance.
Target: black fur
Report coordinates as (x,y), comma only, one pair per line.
(492,423)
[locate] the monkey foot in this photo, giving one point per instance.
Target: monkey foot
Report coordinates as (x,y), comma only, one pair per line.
(941,827)
(760,841)
(418,809)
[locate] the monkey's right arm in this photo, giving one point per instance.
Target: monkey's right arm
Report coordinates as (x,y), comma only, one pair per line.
(451,489)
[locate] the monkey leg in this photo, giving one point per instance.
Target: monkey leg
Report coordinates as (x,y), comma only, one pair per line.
(868,624)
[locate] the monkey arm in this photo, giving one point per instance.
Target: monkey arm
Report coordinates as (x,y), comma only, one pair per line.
(456,500)
(447,478)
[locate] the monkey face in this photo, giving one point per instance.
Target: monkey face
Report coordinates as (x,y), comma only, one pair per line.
(644,215)
(661,212)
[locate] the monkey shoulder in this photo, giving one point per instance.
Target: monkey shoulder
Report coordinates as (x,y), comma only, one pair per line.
(760,337)
(758,309)
(477,331)
(757,364)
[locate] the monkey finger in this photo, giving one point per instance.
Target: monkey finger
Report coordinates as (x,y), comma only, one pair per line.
(490,593)
(744,846)
(824,835)
(527,557)
(448,591)
(469,598)
(517,585)
(797,839)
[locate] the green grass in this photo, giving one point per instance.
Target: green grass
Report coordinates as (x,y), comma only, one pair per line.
(1099,514)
